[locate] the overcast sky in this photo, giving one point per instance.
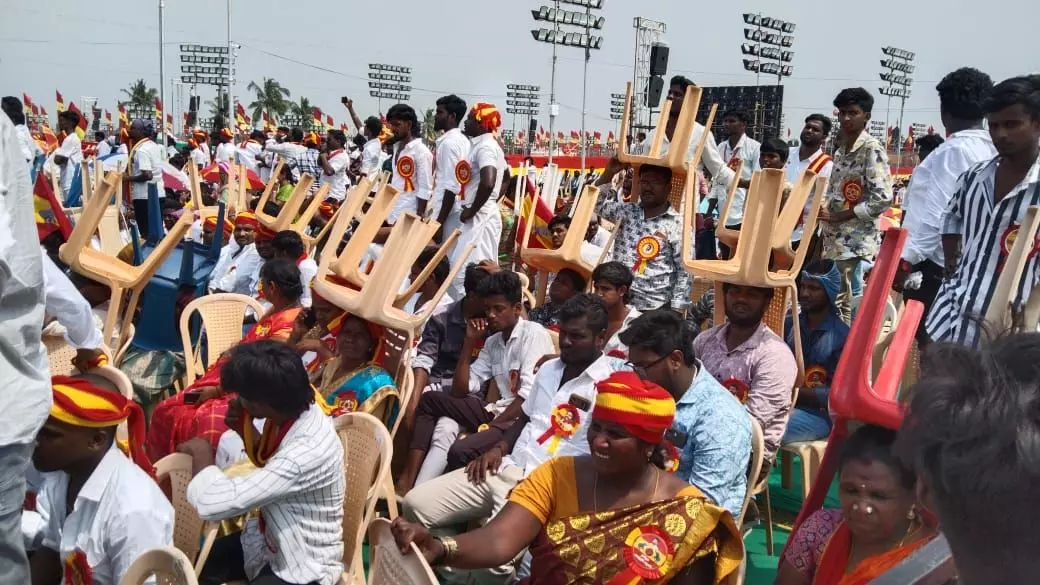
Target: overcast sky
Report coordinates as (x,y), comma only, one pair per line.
(321,49)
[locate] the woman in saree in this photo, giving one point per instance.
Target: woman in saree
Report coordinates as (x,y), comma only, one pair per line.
(611,517)
(879,523)
(354,380)
(199,410)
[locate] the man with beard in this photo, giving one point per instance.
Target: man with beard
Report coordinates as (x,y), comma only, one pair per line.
(452,164)
(751,361)
(553,423)
(237,259)
(412,165)
(810,156)
(985,214)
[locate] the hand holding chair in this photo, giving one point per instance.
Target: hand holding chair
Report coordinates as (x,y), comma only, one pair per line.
(347,264)
(290,217)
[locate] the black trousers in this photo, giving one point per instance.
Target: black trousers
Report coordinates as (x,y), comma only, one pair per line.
(226,563)
(931,280)
(141,215)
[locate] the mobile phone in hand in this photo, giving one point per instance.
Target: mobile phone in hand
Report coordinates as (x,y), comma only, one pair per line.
(192,397)
(309,318)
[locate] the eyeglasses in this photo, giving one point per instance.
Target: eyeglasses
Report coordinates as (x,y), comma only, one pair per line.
(644,368)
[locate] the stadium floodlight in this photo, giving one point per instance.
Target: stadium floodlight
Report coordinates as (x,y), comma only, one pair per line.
(899,53)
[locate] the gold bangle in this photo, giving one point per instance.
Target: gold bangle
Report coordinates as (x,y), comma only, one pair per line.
(451,548)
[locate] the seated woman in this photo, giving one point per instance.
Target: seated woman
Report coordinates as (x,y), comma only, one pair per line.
(354,380)
(610,517)
(879,523)
(199,410)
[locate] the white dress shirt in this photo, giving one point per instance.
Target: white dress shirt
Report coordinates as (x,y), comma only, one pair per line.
(794,168)
(226,152)
(28,146)
(72,149)
(711,160)
(548,393)
(300,493)
(452,150)
(422,177)
(511,362)
(933,183)
(747,151)
(234,269)
(291,152)
(338,182)
(308,270)
(119,513)
(614,343)
(67,305)
(201,158)
(371,157)
(25,394)
(248,152)
(148,156)
(103,149)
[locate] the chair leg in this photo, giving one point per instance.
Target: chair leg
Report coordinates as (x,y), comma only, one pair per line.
(391,497)
(128,318)
(785,458)
(809,464)
(115,304)
(768,512)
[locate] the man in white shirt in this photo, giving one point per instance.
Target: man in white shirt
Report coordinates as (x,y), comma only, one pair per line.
(12,106)
(70,154)
(292,150)
(226,146)
(334,162)
(454,174)
(553,423)
(481,221)
(961,98)
(237,259)
(711,160)
(144,169)
(298,486)
(738,149)
(508,357)
(199,155)
(117,510)
(810,156)
(250,150)
(25,393)
(103,147)
(372,152)
(413,165)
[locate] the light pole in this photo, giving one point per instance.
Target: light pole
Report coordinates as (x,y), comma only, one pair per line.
(522,100)
(897,69)
(617,110)
(392,82)
(585,40)
(648,34)
(162,77)
(772,59)
(206,65)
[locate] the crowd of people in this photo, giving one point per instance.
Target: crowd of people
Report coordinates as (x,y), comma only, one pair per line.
(604,435)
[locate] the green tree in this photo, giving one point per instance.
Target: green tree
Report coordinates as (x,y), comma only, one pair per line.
(429,135)
(304,108)
(271,97)
(140,94)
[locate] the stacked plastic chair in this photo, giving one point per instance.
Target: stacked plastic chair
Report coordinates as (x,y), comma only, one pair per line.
(853,396)
(1002,312)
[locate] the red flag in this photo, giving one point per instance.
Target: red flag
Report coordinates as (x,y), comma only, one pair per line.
(60,100)
(316,113)
(542,214)
(158,105)
(26,100)
(35,110)
(50,217)
(329,122)
(81,129)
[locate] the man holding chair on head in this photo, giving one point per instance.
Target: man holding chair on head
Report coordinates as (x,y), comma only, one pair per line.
(102,507)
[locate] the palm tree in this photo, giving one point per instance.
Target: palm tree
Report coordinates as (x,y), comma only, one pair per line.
(218,109)
(428,133)
(140,94)
(271,97)
(304,108)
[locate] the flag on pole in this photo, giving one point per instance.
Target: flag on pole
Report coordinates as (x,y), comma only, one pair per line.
(81,129)
(60,100)
(329,123)
(542,214)
(50,217)
(316,122)
(169,122)
(49,138)
(27,103)
(124,119)
(240,117)
(108,118)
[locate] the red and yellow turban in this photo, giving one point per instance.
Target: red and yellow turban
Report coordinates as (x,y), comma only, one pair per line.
(192,143)
(200,134)
(487,115)
(264,233)
(211,224)
(312,139)
(327,209)
(645,409)
(79,403)
(227,133)
(246,218)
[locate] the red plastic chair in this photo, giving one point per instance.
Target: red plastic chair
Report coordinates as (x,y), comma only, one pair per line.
(853,397)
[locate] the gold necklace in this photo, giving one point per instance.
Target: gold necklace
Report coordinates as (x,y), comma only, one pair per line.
(910,531)
(595,487)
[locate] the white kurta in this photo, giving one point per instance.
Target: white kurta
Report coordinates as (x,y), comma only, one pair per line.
(485,229)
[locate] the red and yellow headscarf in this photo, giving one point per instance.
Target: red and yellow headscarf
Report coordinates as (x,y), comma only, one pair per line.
(200,135)
(264,233)
(227,133)
(246,218)
(311,139)
(192,143)
(645,409)
(79,403)
(211,223)
(487,115)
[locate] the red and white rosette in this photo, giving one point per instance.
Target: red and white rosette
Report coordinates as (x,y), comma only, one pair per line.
(563,424)
(406,168)
(852,193)
(647,249)
(347,401)
(671,457)
(648,553)
(463,174)
(738,388)
(77,569)
(815,377)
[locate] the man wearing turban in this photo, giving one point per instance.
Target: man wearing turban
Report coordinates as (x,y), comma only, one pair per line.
(238,259)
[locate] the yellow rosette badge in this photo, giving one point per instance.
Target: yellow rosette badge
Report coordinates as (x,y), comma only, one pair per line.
(815,377)
(563,424)
(406,168)
(646,250)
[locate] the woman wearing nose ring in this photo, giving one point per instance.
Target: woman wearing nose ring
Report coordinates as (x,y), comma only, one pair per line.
(879,523)
(610,517)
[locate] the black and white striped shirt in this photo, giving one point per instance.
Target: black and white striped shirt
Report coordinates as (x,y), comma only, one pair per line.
(300,493)
(987,231)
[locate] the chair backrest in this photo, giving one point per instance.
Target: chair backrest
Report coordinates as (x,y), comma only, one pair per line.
(168,565)
(1000,310)
(187,526)
(367,451)
(222,320)
(388,566)
(109,233)
(122,383)
(758,454)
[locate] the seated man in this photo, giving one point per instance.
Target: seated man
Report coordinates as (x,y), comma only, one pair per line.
(298,486)
(715,427)
(560,224)
(553,423)
(751,361)
(823,338)
(237,258)
(565,285)
(612,282)
(289,245)
(102,509)
(558,227)
(508,357)
(209,230)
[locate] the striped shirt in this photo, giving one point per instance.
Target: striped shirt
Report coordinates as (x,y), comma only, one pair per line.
(300,493)
(987,230)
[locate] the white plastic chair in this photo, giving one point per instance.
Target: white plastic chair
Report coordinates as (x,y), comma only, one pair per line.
(167,564)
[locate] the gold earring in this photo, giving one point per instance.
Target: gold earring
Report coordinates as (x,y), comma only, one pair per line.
(912,514)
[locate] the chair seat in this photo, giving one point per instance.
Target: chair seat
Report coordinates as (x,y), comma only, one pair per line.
(113,270)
